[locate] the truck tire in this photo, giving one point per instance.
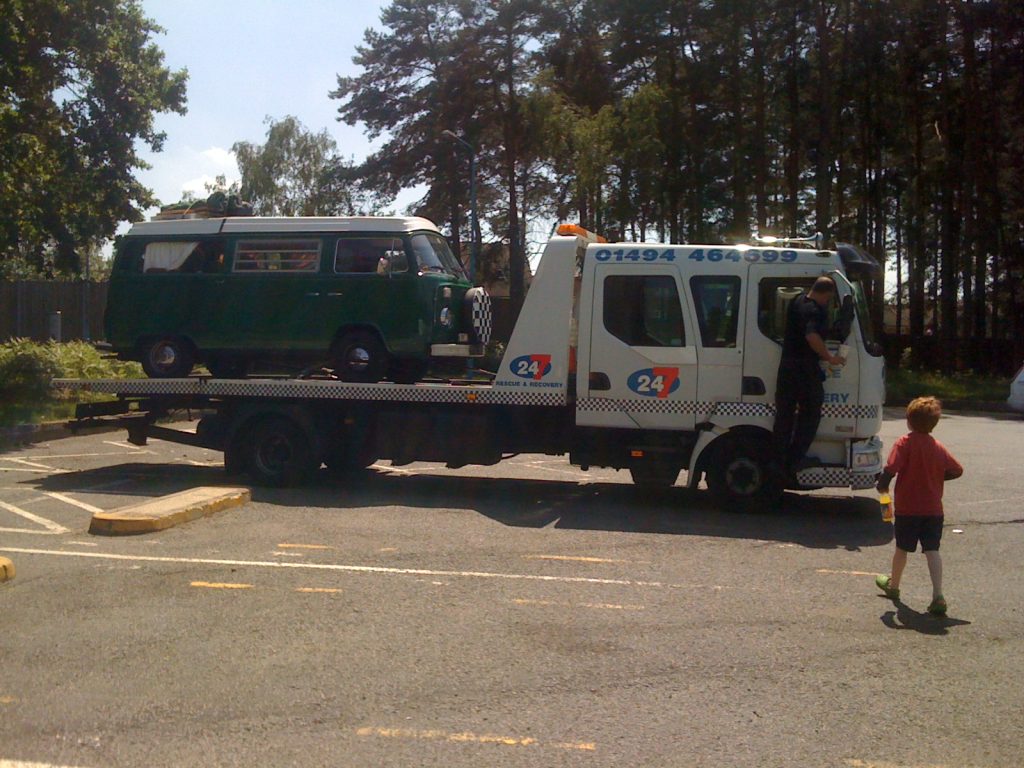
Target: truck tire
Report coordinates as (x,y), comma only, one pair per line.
(360,356)
(167,357)
(280,453)
(654,475)
(741,476)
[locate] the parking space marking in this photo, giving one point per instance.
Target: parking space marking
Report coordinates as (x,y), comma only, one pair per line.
(33,464)
(303,546)
(22,764)
(370,569)
(7,699)
(573,559)
(50,526)
(465,737)
(71,501)
(556,603)
(856,763)
(319,590)
(220,585)
(122,444)
(847,573)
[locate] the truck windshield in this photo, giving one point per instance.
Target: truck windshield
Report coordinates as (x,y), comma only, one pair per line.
(433,255)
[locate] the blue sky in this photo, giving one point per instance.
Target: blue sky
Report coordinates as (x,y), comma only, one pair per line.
(248,61)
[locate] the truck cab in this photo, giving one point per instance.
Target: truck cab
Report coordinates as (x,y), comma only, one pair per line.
(679,345)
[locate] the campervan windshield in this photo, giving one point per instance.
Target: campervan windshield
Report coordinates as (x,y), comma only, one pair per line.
(433,255)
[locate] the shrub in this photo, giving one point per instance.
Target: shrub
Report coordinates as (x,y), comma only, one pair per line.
(28,367)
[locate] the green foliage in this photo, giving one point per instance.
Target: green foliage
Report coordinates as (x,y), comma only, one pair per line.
(27,368)
(296,173)
(903,385)
(80,84)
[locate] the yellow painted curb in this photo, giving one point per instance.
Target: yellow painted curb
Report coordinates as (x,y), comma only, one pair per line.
(6,569)
(167,511)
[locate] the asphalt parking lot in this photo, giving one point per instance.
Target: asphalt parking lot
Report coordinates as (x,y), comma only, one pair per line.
(524,614)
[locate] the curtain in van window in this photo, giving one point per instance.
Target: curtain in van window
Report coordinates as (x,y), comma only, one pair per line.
(166,257)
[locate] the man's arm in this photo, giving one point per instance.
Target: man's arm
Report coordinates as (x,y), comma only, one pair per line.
(817,343)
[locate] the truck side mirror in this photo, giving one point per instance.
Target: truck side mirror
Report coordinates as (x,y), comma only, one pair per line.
(841,329)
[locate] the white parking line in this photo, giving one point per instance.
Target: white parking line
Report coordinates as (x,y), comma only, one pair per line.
(122,444)
(72,502)
(359,569)
(33,464)
(22,764)
(49,525)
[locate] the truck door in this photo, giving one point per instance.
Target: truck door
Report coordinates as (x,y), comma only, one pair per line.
(637,359)
(774,287)
(718,311)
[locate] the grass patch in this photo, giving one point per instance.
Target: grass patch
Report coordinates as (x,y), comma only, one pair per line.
(27,368)
(904,384)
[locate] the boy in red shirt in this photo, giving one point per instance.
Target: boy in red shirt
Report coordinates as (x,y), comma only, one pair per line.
(921,464)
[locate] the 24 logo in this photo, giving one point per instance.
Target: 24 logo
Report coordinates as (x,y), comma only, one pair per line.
(654,382)
(531,366)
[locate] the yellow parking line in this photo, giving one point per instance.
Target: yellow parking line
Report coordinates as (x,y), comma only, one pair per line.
(855,763)
(571,558)
(465,737)
(303,546)
(605,606)
(220,585)
(325,590)
(7,699)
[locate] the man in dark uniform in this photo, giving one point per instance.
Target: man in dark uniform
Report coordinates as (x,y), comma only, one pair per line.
(799,390)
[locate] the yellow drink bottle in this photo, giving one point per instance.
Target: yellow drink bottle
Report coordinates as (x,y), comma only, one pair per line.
(885,501)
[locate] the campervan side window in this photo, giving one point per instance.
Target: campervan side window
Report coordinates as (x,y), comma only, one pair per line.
(717,300)
(644,311)
(279,256)
(183,257)
(370,255)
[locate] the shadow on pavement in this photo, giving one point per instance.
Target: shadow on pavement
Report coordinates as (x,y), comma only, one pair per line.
(905,617)
(810,520)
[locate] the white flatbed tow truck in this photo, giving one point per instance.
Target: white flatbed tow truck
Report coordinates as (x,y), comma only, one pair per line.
(648,357)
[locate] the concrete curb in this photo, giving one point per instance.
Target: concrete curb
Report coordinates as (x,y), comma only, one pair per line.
(6,570)
(167,511)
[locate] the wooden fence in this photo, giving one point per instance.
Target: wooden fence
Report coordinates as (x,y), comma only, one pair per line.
(28,309)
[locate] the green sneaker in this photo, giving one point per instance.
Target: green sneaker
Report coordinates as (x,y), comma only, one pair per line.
(938,606)
(882,582)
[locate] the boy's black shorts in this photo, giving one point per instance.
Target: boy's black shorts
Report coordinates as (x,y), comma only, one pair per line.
(911,529)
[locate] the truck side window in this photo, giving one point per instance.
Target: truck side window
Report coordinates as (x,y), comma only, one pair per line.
(774,295)
(717,300)
(644,311)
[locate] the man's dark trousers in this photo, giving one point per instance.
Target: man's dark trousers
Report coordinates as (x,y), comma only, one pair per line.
(799,394)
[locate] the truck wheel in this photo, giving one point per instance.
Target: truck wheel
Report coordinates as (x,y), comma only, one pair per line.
(654,475)
(280,453)
(360,356)
(167,357)
(741,477)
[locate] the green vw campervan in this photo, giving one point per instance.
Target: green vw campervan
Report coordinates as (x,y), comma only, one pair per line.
(368,297)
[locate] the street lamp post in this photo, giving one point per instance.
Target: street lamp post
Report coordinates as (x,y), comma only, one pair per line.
(474,226)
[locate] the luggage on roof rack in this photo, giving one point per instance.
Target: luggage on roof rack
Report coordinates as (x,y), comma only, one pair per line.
(216,205)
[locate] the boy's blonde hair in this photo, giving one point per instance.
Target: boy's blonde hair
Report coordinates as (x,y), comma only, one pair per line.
(923,413)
